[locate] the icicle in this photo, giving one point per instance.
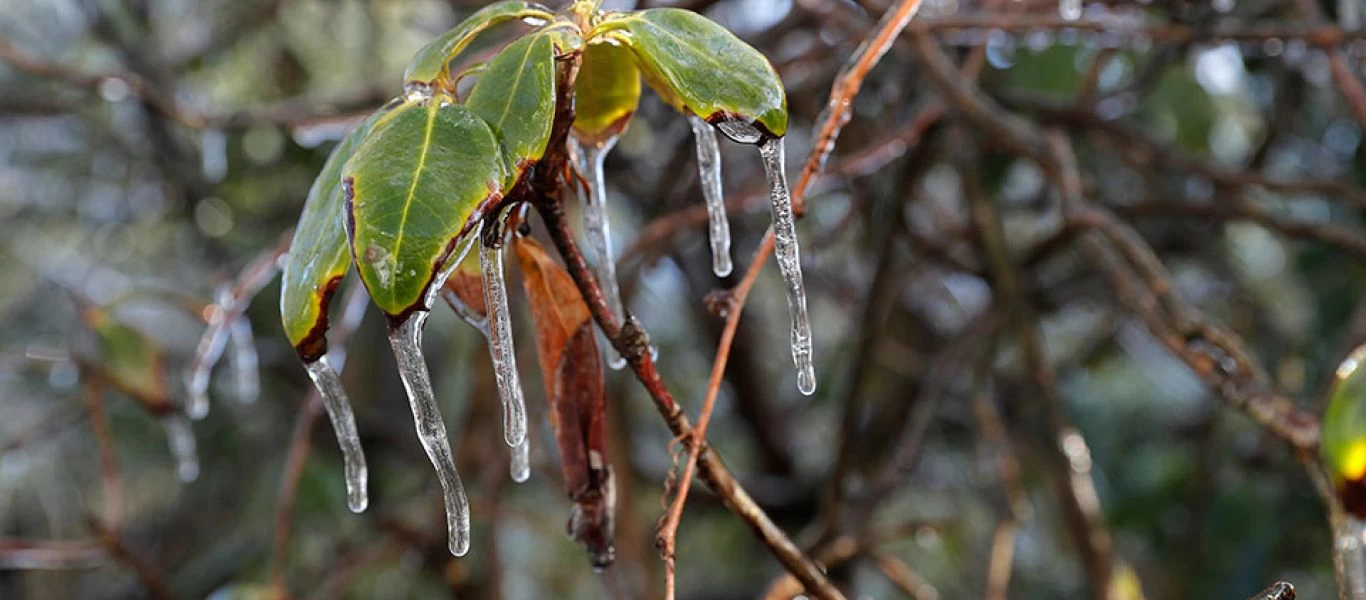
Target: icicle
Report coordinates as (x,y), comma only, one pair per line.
(328,382)
(1069,10)
(521,462)
(244,361)
(500,345)
(709,168)
(206,355)
(597,229)
(479,322)
(1349,553)
(789,262)
(1349,14)
(406,340)
(180,438)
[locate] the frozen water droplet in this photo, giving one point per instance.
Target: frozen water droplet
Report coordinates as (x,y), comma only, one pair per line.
(329,385)
(709,168)
(521,462)
(740,131)
(244,360)
(789,262)
(589,161)
(180,439)
(1069,10)
(406,340)
(500,345)
(534,21)
(208,352)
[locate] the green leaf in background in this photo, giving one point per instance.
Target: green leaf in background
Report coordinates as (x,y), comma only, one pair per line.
(318,257)
(606,94)
(701,68)
(412,188)
(428,66)
(1343,437)
(129,360)
(515,95)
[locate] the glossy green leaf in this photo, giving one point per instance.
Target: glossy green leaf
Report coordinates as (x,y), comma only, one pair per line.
(701,68)
(1343,437)
(515,95)
(318,257)
(428,66)
(129,360)
(413,188)
(607,92)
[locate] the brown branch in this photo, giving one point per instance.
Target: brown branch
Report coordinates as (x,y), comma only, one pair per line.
(111,486)
(1313,34)
(147,574)
(632,341)
(904,578)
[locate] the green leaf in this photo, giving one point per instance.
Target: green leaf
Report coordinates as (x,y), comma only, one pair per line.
(318,257)
(515,95)
(428,66)
(414,187)
(701,68)
(1343,437)
(129,360)
(607,92)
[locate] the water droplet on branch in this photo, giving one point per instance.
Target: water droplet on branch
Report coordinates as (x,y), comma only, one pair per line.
(406,340)
(789,262)
(521,462)
(329,385)
(709,169)
(180,439)
(588,160)
(501,346)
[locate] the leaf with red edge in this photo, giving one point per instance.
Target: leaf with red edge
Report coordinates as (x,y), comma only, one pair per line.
(572,369)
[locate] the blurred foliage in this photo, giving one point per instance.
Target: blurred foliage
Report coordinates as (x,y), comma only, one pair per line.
(110,203)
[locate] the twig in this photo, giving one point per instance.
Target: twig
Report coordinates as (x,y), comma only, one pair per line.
(904,578)
(839,108)
(111,486)
(151,579)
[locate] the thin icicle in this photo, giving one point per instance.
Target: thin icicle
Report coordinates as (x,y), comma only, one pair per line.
(589,160)
(500,345)
(709,168)
(180,438)
(244,361)
(521,462)
(206,356)
(789,262)
(328,382)
(1069,10)
(1349,14)
(479,322)
(406,340)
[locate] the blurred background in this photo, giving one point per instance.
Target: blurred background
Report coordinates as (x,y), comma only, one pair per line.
(154,152)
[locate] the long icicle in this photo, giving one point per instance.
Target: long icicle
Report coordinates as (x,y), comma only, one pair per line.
(789,262)
(329,385)
(406,339)
(245,365)
(180,438)
(500,345)
(597,229)
(709,169)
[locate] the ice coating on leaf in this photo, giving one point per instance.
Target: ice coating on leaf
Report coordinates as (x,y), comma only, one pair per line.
(709,169)
(589,161)
(318,255)
(406,340)
(703,69)
(501,347)
(515,95)
(329,385)
(244,360)
(789,262)
(429,64)
(606,93)
(180,439)
(414,189)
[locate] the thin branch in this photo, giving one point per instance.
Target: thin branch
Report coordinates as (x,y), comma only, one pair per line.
(111,486)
